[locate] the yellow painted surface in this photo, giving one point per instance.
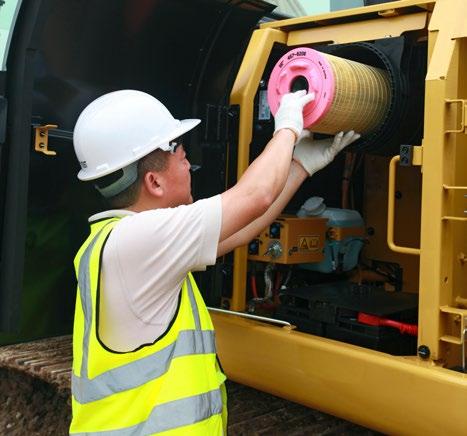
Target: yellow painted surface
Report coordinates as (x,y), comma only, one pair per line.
(406,218)
(391,211)
(301,241)
(360,30)
(442,276)
(389,9)
(243,94)
(394,395)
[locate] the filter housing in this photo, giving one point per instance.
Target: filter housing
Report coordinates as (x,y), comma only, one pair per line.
(404,61)
(348,94)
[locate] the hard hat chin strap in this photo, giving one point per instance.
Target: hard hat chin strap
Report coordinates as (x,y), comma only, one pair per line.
(129,176)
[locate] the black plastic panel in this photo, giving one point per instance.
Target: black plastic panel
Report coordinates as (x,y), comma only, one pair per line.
(67,53)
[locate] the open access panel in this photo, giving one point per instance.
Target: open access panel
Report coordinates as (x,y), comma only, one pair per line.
(370,323)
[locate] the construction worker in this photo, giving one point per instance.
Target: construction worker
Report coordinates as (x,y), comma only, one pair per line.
(143,345)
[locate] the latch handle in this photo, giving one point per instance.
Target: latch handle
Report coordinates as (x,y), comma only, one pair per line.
(463,121)
(391,206)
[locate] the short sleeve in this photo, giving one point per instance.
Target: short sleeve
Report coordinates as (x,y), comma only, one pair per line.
(149,254)
(211,215)
(184,238)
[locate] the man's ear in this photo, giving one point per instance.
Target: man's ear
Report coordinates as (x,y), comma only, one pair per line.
(153,183)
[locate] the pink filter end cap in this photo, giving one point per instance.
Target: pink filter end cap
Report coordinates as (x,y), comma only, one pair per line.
(303,68)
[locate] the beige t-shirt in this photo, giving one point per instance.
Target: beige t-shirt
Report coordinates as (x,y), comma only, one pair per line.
(145,260)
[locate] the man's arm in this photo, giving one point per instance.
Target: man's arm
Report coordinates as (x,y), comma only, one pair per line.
(295,178)
(309,157)
(265,178)
(259,186)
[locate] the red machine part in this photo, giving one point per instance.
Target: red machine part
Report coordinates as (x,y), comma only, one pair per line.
(404,328)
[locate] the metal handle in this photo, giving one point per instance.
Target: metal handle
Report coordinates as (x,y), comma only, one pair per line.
(464,339)
(461,129)
(247,315)
(391,206)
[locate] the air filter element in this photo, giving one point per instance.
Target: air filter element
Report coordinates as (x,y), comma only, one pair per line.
(349,95)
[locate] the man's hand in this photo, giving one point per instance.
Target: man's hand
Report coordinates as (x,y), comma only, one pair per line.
(315,155)
(290,112)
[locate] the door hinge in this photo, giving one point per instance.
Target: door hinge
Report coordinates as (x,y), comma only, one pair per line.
(41,141)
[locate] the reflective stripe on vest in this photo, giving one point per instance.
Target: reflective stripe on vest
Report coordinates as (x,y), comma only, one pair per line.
(141,371)
(172,415)
(165,416)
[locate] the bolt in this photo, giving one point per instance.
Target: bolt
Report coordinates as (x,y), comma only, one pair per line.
(462,258)
(424,352)
(274,250)
(398,195)
(370,231)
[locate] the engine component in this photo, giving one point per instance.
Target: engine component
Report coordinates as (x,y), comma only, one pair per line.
(344,240)
(409,329)
(290,240)
(275,249)
(348,95)
(405,62)
(402,60)
(332,310)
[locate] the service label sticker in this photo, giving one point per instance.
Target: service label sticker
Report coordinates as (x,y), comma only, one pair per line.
(264,112)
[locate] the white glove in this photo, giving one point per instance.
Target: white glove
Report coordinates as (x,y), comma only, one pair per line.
(290,112)
(315,155)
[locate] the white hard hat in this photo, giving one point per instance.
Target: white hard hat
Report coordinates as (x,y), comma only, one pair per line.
(120,128)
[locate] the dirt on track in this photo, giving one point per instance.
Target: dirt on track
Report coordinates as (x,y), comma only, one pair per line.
(35,399)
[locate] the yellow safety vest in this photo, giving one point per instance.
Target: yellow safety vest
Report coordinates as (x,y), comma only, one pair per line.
(171,387)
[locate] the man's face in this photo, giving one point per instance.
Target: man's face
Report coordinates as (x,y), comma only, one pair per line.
(179,178)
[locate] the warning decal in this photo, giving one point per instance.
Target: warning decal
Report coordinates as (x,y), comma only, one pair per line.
(308,243)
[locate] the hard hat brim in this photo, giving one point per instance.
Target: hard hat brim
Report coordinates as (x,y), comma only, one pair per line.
(184,126)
